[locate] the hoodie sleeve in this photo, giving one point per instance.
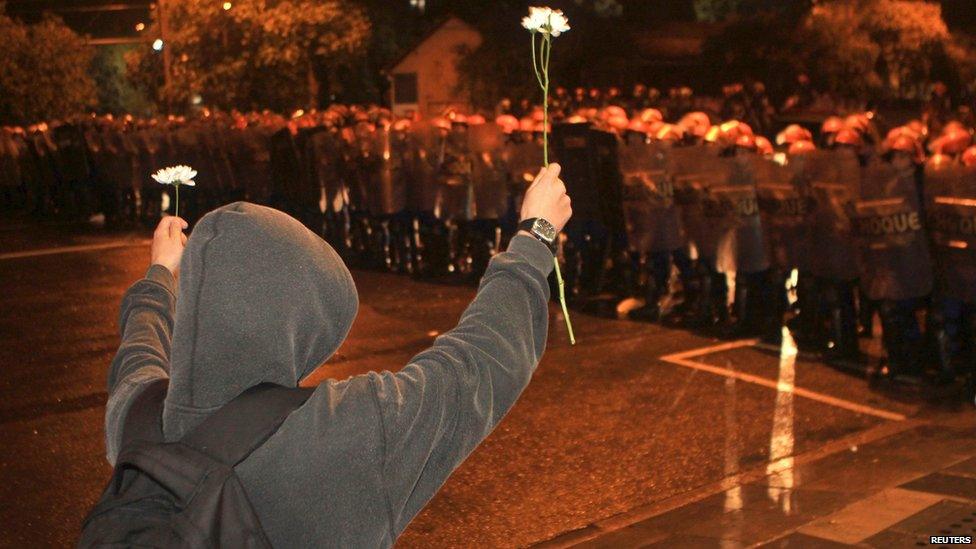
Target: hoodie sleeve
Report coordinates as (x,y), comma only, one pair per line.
(437,409)
(146,324)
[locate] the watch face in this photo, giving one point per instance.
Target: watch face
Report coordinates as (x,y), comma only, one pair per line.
(544,229)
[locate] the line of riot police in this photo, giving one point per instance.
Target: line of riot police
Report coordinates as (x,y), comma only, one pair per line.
(707,225)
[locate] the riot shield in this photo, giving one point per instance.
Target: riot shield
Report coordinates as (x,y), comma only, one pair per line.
(741,247)
(833,177)
(121,152)
(635,159)
(950,205)
(72,157)
(209,195)
(665,216)
(522,161)
(362,168)
(608,186)
(9,162)
(256,171)
(217,146)
(305,189)
(693,171)
(387,191)
(455,189)
(285,171)
(650,214)
(490,199)
(894,251)
(573,146)
(424,144)
(783,207)
(323,156)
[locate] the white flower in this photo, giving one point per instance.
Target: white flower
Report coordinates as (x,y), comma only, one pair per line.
(536,19)
(546,21)
(176,175)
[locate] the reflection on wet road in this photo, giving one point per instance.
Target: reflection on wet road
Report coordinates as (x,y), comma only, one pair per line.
(781,440)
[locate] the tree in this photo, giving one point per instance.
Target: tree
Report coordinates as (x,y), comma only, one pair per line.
(866,49)
(891,44)
(722,10)
(43,71)
(257,54)
(116,94)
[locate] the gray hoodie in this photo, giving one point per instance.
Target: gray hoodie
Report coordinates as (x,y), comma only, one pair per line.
(261,298)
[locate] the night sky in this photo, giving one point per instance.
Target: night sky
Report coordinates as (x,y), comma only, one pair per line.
(121,19)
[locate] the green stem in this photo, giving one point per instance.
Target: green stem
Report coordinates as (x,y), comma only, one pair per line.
(177,185)
(562,301)
(535,64)
(547,48)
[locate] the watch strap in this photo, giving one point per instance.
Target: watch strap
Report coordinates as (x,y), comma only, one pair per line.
(527,224)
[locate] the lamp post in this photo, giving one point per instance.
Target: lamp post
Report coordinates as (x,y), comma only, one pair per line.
(163,35)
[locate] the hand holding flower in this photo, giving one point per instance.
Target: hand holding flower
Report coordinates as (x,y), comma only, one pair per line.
(547,198)
(168,243)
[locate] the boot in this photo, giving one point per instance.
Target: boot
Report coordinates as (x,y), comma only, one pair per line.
(865,316)
(807,320)
(772,308)
(718,302)
(904,356)
(706,300)
(572,270)
(629,286)
(416,248)
(684,313)
(386,245)
(841,346)
(650,312)
(743,321)
(945,354)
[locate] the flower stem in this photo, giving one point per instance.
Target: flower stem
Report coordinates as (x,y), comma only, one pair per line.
(535,64)
(545,49)
(562,300)
(545,101)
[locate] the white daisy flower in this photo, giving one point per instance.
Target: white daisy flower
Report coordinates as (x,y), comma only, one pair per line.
(176,175)
(546,21)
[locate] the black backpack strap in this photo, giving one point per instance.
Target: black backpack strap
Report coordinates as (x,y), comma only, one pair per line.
(242,425)
(144,418)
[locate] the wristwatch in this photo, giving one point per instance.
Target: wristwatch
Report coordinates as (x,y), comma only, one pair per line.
(541,229)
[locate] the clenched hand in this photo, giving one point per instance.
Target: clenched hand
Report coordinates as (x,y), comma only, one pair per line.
(547,198)
(168,243)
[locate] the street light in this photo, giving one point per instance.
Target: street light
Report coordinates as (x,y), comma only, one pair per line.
(158,44)
(227,6)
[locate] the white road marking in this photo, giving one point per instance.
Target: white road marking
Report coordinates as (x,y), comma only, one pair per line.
(865,518)
(684,359)
(74,249)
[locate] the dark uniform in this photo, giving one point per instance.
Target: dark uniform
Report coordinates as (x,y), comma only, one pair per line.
(896,271)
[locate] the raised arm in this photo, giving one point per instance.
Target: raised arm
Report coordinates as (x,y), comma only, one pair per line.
(436,410)
(146,325)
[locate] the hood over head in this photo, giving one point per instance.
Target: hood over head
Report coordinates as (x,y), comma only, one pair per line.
(261,299)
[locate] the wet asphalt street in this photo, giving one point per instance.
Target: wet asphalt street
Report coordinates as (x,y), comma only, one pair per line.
(633,415)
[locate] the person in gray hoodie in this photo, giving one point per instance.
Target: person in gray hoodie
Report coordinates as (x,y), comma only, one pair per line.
(263,299)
